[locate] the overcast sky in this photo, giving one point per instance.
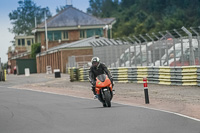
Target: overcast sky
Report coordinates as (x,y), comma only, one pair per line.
(7,6)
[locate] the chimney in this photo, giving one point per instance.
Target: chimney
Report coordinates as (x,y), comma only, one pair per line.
(68,3)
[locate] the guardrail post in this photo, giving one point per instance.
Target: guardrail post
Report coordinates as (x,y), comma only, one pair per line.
(192,61)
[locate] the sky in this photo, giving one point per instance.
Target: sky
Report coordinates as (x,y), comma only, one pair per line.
(7,6)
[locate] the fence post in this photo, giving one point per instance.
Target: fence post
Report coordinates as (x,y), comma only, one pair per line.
(129,52)
(167,48)
(147,54)
(159,47)
(198,43)
(153,48)
(134,44)
(182,59)
(173,47)
(192,61)
(140,49)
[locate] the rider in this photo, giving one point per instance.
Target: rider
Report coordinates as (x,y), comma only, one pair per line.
(96,69)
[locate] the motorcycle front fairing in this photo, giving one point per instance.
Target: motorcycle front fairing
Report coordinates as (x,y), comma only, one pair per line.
(102,81)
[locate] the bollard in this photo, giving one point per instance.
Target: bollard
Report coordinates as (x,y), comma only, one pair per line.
(5,74)
(146,90)
(71,75)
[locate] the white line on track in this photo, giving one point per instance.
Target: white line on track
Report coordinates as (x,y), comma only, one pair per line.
(112,102)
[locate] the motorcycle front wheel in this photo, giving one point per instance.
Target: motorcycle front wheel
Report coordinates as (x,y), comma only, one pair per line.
(107,98)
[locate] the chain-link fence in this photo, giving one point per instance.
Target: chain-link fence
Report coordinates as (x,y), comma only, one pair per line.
(170,48)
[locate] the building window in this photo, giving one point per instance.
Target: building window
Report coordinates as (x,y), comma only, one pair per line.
(54,35)
(82,34)
(93,32)
(28,42)
(65,35)
(38,38)
(19,42)
(23,42)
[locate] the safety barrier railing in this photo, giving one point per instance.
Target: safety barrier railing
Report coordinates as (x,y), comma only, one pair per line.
(186,75)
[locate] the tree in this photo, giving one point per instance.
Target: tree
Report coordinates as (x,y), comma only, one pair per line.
(35,48)
(102,8)
(95,7)
(58,9)
(147,16)
(23,18)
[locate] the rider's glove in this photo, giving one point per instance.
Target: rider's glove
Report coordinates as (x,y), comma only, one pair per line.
(111,79)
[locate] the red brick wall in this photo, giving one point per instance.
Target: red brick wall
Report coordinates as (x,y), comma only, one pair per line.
(74,35)
(43,42)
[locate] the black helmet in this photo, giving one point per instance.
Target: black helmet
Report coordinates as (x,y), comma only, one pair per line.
(95,61)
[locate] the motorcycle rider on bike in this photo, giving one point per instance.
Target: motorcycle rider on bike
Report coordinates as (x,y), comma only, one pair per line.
(96,69)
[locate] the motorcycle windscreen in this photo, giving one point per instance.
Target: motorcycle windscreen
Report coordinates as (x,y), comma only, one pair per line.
(102,77)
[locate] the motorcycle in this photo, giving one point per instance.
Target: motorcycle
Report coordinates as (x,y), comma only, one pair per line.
(104,90)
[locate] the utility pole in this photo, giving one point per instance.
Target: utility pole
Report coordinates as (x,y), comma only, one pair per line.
(46,31)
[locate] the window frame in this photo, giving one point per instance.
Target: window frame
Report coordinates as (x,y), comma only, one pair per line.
(63,35)
(84,34)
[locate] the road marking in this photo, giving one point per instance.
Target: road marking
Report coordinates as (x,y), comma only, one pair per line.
(192,118)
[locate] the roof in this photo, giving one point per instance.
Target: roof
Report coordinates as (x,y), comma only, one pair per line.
(71,17)
(77,44)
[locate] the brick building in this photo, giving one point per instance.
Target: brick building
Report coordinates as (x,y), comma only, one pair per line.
(71,25)
(69,34)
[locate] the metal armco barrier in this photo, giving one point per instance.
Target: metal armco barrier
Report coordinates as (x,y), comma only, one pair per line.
(186,75)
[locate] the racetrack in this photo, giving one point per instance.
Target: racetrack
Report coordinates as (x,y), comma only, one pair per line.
(23,111)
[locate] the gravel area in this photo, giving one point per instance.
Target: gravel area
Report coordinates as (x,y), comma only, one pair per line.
(179,99)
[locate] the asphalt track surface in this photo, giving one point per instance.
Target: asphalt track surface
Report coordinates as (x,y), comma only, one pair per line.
(23,111)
